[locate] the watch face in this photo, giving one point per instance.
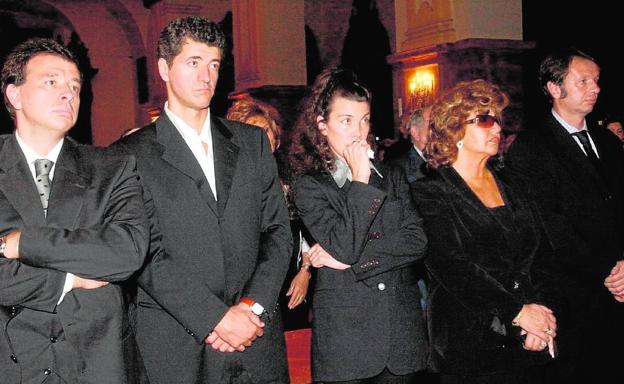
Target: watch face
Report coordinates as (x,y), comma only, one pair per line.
(257,309)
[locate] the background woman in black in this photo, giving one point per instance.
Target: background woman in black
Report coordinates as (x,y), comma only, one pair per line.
(489,311)
(367,322)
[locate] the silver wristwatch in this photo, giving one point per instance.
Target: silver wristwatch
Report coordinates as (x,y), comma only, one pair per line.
(2,246)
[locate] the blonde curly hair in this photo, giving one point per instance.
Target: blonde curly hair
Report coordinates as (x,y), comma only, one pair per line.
(449,112)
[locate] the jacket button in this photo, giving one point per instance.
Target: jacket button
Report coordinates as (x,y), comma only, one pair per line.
(13,311)
(381,286)
(14,358)
(47,371)
(53,339)
(516,285)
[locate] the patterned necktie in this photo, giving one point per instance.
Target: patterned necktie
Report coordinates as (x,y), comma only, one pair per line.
(42,173)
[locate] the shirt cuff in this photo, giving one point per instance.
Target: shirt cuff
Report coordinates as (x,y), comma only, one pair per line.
(303,248)
(69,283)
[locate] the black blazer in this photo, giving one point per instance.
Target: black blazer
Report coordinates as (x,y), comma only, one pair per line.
(95,228)
(482,272)
(584,212)
(584,215)
(412,163)
(207,254)
(367,317)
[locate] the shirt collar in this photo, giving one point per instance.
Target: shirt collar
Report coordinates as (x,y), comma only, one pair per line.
(342,173)
(569,128)
(187,132)
(31,155)
(419,151)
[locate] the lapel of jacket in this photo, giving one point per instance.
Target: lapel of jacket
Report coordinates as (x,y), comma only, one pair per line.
(570,156)
(68,187)
(463,191)
(225,159)
(179,155)
(416,163)
(17,184)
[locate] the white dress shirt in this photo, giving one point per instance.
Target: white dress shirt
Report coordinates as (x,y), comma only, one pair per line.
(31,155)
(571,129)
(196,142)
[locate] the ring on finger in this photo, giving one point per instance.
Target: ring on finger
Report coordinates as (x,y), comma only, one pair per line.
(548,331)
(543,344)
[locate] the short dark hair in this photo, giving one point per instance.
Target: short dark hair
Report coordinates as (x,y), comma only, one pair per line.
(555,66)
(192,27)
(14,68)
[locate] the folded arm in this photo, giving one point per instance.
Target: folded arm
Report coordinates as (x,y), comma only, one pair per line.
(111,250)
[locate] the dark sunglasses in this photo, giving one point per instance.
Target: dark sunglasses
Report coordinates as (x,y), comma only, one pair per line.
(484,121)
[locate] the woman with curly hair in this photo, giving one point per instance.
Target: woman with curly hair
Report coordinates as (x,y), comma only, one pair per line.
(490,310)
(255,112)
(367,324)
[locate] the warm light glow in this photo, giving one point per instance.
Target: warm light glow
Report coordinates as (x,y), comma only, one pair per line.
(421,86)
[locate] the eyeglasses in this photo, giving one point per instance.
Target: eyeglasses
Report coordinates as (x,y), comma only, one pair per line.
(484,121)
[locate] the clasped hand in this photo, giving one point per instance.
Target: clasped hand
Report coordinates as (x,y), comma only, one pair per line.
(236,330)
(321,258)
(615,281)
(539,325)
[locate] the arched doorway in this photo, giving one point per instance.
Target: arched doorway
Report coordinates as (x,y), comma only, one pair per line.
(21,20)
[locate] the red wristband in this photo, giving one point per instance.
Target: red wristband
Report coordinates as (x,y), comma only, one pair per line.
(247,301)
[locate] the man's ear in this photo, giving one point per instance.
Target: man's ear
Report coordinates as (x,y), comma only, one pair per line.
(15,96)
(554,90)
(322,125)
(163,69)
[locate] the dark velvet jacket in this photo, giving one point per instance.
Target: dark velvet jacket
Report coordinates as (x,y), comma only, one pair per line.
(368,317)
(483,270)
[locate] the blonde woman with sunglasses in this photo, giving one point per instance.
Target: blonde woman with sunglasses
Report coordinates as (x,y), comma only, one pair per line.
(491,310)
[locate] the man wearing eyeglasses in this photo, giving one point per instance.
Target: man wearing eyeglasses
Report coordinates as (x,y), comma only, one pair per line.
(575,172)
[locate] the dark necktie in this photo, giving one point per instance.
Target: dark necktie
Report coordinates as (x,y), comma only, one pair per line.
(42,176)
(589,151)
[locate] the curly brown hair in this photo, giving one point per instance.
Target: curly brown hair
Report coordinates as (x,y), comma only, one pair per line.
(309,150)
(449,112)
(244,110)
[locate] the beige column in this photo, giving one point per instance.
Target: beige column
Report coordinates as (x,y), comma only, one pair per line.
(269,52)
(269,43)
(442,42)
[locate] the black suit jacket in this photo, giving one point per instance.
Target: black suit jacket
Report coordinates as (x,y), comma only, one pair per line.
(482,270)
(412,163)
(206,254)
(584,215)
(367,317)
(96,227)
